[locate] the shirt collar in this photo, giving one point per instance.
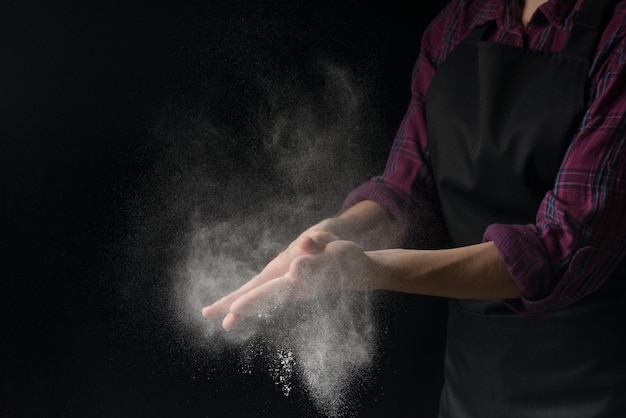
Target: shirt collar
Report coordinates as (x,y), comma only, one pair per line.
(558,12)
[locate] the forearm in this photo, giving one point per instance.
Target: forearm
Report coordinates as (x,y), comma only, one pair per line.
(472,272)
(367,224)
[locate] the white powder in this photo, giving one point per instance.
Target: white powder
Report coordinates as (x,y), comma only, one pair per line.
(282,371)
(323,347)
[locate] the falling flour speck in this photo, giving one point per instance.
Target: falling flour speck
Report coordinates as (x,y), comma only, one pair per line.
(283,370)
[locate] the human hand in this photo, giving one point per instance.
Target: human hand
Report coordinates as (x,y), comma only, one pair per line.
(309,242)
(317,262)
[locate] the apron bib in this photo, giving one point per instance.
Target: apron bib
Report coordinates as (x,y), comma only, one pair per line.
(500,119)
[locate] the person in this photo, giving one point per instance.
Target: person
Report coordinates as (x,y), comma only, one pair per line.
(515,139)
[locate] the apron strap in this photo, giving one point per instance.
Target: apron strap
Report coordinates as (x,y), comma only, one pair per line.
(480,33)
(588,23)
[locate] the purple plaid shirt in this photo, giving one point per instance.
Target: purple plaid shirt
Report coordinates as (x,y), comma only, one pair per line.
(579,235)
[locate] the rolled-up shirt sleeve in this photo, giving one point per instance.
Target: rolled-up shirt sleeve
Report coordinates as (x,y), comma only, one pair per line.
(579,235)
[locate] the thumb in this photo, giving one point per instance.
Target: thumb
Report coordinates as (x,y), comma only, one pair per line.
(315,243)
(309,246)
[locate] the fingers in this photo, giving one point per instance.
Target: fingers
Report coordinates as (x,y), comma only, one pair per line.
(249,300)
(265,291)
(222,306)
(261,299)
(216,309)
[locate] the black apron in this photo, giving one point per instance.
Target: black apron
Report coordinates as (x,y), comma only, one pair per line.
(500,119)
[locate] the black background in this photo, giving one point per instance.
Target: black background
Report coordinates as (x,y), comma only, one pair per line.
(87,238)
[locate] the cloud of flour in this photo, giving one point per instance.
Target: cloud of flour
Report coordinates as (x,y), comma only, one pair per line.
(244,209)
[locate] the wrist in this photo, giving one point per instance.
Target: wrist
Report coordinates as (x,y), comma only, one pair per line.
(385,272)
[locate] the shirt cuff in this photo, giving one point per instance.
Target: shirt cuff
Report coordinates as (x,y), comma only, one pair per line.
(528,263)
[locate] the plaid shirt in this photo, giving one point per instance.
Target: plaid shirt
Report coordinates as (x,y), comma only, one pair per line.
(579,235)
